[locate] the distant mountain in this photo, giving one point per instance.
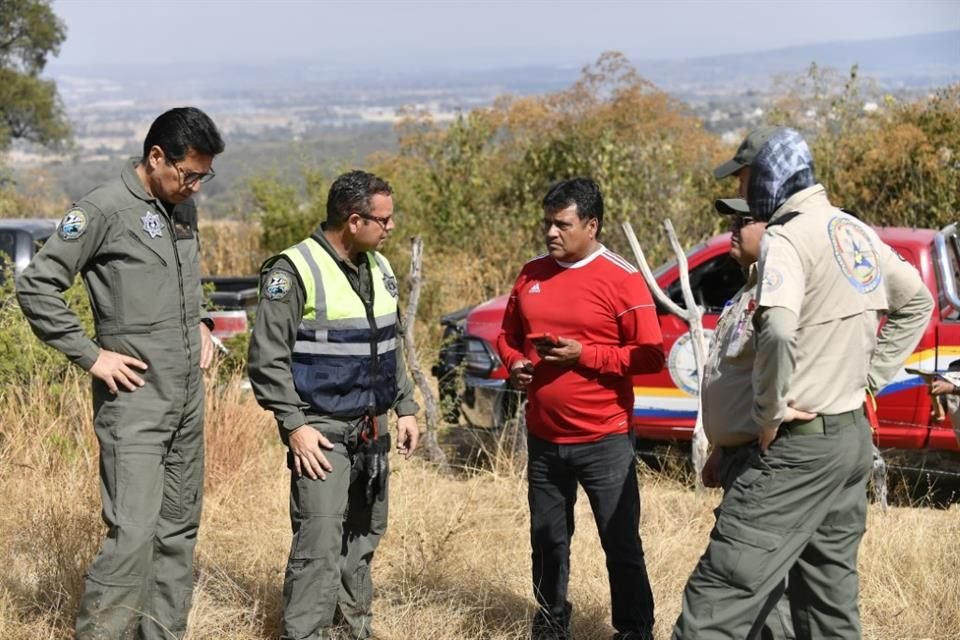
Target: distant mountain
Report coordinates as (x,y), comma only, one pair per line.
(910,62)
(913,62)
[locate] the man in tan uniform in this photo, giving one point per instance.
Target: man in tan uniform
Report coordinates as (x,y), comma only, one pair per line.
(798,509)
(728,379)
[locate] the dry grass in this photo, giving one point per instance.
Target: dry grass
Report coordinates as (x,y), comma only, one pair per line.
(230,248)
(454,564)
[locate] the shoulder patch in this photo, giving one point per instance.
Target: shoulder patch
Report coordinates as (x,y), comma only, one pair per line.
(855,254)
(390,283)
(73,225)
(772,279)
(277,284)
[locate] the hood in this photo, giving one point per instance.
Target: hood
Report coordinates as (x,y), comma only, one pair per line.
(782,167)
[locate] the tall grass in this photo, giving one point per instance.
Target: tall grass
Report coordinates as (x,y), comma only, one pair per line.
(453,565)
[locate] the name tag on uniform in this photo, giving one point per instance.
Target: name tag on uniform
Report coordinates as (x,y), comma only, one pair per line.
(184,232)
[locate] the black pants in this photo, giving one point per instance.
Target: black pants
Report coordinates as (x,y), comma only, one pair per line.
(606,469)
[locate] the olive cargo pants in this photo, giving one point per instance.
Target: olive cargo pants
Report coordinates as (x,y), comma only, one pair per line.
(151,484)
(735,460)
(335,534)
(797,512)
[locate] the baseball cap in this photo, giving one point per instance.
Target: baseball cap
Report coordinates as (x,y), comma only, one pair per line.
(746,152)
(732,207)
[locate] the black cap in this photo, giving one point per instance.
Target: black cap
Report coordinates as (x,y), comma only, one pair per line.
(746,152)
(732,207)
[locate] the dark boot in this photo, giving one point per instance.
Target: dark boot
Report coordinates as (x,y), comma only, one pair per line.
(547,627)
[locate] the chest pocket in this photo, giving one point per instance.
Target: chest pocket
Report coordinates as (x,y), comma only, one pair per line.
(144,274)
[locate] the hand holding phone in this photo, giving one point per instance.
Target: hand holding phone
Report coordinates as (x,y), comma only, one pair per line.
(543,338)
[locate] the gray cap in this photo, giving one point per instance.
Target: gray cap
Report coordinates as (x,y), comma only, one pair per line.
(746,152)
(732,207)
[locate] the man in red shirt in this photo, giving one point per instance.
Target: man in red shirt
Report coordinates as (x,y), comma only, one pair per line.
(580,322)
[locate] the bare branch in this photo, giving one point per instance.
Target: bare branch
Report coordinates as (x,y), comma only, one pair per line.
(655,289)
(433,451)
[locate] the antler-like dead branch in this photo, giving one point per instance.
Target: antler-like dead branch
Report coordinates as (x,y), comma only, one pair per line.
(692,315)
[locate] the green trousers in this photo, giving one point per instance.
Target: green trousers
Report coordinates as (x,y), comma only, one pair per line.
(151,485)
(335,534)
(797,514)
(734,462)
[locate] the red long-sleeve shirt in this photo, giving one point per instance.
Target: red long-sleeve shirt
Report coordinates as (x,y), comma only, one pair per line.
(603,303)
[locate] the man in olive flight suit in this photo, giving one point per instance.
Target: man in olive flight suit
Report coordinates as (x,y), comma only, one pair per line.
(797,511)
(134,241)
(325,358)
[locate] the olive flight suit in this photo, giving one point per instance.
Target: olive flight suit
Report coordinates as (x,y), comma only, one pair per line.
(337,522)
(139,261)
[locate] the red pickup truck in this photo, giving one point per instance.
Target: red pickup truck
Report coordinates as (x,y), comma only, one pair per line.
(474,382)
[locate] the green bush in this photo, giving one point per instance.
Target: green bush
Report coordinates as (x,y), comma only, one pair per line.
(22,355)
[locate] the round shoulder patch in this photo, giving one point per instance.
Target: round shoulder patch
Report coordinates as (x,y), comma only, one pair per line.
(74,224)
(772,279)
(277,284)
(854,253)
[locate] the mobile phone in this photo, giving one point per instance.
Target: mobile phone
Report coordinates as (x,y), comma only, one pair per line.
(543,337)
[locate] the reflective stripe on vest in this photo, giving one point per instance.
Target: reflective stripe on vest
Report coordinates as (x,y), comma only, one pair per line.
(344,359)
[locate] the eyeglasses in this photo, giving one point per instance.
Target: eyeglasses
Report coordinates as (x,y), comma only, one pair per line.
(190,178)
(739,222)
(383,222)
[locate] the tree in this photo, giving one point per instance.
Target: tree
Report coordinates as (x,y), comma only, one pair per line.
(30,108)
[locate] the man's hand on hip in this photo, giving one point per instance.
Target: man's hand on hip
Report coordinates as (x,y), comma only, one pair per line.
(769,434)
(565,354)
(408,435)
(116,370)
(307,445)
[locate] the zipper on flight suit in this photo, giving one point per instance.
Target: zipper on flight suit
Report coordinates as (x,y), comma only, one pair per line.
(171,226)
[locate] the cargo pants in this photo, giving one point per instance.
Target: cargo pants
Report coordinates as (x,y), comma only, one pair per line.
(795,513)
(778,625)
(151,485)
(335,534)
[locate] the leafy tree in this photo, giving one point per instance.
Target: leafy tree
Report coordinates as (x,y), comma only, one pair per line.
(481,177)
(895,163)
(905,169)
(30,108)
(284,219)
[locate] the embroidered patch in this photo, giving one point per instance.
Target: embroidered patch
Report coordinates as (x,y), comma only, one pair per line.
(277,286)
(391,285)
(74,223)
(152,224)
(854,253)
(772,279)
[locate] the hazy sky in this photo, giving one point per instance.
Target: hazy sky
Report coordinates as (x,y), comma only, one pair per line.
(488,33)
